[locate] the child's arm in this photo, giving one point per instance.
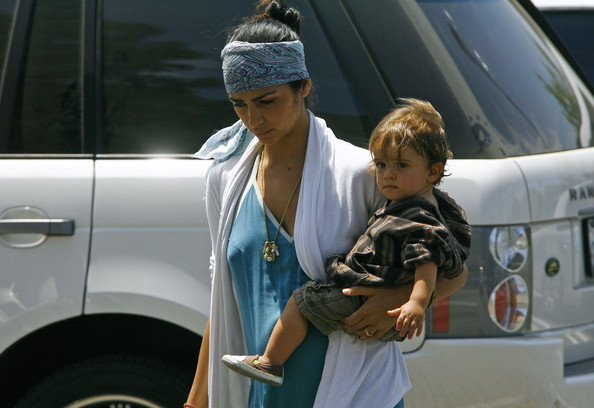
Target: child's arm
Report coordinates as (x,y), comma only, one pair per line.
(412,314)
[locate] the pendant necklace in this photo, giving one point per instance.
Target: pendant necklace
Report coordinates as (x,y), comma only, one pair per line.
(270,248)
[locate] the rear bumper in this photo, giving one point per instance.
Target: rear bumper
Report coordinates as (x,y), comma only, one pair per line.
(497,372)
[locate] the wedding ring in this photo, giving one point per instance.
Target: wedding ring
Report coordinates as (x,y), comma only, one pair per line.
(367,332)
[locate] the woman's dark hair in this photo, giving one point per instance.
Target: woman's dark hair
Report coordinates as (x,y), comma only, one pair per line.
(275,21)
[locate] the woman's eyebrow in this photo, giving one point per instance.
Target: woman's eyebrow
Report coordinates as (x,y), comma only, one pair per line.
(254,99)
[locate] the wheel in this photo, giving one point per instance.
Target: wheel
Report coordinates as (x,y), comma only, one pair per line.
(112,382)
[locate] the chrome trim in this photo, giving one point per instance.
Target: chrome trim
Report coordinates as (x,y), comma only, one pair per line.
(114,400)
(37,226)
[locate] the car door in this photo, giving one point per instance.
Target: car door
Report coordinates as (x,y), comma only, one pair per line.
(46,179)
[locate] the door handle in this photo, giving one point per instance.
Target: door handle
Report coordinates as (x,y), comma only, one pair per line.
(51,226)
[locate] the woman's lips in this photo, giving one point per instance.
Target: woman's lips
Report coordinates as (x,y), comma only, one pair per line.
(262,133)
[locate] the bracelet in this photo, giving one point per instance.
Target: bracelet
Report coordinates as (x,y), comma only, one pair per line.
(188,405)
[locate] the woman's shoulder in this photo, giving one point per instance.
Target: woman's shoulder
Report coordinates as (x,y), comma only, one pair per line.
(344,155)
(352,172)
(223,167)
(352,158)
(219,172)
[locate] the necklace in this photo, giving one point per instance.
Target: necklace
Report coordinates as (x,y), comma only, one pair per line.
(270,248)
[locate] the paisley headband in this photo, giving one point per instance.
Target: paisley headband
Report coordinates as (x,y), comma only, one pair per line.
(250,66)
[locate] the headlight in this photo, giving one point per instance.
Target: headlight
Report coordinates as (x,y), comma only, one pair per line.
(509,247)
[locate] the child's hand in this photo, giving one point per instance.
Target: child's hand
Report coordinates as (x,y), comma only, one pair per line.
(410,318)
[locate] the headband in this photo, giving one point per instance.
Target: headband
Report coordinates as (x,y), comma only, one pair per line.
(250,66)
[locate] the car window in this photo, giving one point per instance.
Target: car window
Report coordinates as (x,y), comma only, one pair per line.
(576,30)
(163,89)
(334,98)
(162,85)
(7,9)
(500,87)
(47,108)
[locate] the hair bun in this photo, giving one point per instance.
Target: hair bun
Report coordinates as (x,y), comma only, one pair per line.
(278,10)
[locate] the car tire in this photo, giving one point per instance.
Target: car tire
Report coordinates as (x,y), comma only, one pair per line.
(113,381)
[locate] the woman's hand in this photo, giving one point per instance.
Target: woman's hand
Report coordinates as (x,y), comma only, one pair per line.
(372,317)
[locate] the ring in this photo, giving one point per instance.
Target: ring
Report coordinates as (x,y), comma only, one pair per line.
(367,332)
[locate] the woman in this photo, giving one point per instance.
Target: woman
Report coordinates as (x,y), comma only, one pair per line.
(318,187)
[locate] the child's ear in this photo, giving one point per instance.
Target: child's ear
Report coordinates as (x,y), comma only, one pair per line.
(435,170)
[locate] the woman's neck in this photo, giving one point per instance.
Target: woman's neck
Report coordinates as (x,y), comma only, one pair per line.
(291,150)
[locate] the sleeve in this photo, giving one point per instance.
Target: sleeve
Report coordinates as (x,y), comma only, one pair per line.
(213,200)
(215,185)
(213,210)
(344,276)
(354,164)
(455,218)
(370,262)
(428,240)
(374,199)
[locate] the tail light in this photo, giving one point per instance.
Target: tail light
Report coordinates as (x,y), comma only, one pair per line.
(496,298)
(441,316)
(508,304)
(509,247)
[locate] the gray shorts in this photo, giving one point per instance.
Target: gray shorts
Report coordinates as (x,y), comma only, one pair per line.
(324,305)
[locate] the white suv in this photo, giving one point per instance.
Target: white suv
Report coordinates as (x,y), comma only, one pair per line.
(104,283)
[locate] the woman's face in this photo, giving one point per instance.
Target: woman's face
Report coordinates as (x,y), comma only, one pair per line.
(272,113)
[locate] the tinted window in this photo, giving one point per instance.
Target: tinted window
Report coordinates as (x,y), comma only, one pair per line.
(334,98)
(47,109)
(6,15)
(576,30)
(486,68)
(161,75)
(162,81)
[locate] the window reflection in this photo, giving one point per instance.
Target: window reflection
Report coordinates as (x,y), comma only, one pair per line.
(522,91)
(487,68)
(47,113)
(575,27)
(163,90)
(7,10)
(162,82)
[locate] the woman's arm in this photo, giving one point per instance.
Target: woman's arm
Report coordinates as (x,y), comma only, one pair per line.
(373,314)
(199,393)
(445,287)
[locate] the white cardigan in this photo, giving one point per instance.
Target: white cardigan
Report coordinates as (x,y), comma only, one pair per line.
(337,197)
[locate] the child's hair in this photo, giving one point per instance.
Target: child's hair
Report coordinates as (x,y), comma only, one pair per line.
(417,124)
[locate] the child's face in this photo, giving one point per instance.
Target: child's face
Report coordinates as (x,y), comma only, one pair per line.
(404,174)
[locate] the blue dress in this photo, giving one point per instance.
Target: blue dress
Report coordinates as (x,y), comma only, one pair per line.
(262,289)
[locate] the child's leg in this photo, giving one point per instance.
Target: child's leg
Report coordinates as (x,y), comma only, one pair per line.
(287,335)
